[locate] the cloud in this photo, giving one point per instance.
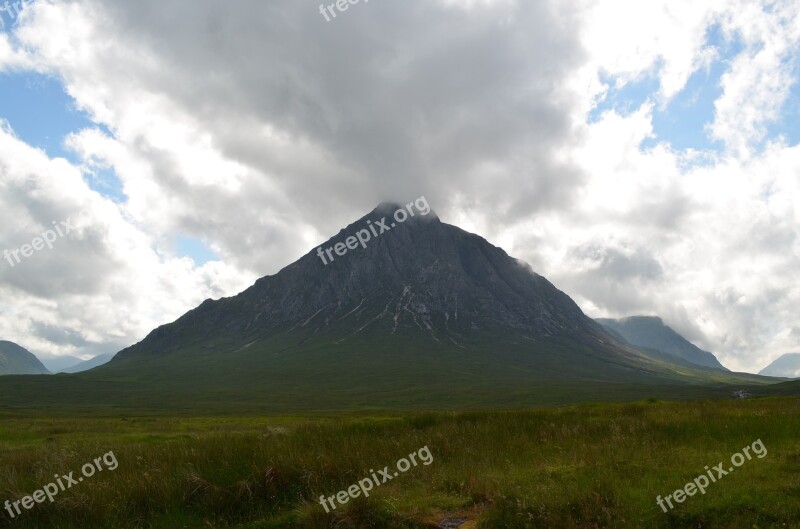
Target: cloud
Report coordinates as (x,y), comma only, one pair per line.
(100,285)
(260,129)
(760,78)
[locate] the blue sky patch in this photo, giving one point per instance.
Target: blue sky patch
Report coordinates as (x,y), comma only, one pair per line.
(684,121)
(106,183)
(627,98)
(196,249)
(42,114)
(788,123)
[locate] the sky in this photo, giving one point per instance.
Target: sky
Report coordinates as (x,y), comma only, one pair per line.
(643,156)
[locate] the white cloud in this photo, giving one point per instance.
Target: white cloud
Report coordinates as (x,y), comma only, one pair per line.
(627,39)
(260,130)
(101,286)
(760,78)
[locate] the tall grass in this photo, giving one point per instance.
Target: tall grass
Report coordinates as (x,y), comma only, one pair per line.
(593,466)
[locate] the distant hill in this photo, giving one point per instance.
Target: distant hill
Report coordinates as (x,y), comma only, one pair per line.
(651,333)
(786,366)
(57,364)
(16,360)
(86,365)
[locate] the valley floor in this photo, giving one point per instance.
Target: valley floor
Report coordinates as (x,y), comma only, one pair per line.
(588,466)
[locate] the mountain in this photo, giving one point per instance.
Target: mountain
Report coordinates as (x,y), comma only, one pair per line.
(787,366)
(651,333)
(424,278)
(86,365)
(73,364)
(425,300)
(16,360)
(425,315)
(57,364)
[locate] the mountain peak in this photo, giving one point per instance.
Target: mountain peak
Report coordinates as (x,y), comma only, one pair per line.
(387,207)
(416,209)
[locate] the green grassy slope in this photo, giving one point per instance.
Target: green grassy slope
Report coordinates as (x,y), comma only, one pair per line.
(368,372)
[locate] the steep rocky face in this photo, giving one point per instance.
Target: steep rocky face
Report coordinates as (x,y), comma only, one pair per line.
(651,333)
(16,360)
(420,276)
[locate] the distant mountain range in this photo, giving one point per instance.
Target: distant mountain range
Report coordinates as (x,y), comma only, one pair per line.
(651,333)
(786,366)
(425,315)
(16,360)
(57,364)
(85,365)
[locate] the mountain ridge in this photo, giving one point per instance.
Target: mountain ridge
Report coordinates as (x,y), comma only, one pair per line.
(786,366)
(56,364)
(85,365)
(16,360)
(650,332)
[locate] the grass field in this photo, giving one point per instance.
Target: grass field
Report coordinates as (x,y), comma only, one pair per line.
(588,466)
